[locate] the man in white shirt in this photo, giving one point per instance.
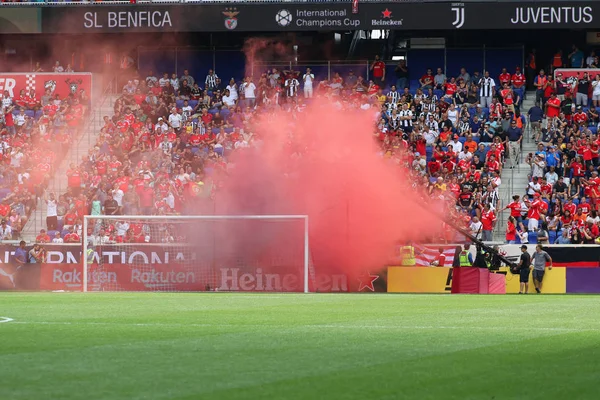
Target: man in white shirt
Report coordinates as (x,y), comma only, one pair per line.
(57,239)
(117,195)
(122,228)
(186,110)
(457,146)
(6,100)
(164,80)
(175,120)
(151,79)
(476,227)
(228,99)
(249,90)
(51,213)
(429,136)
(291,86)
(161,126)
(175,82)
(57,67)
(453,114)
(308,79)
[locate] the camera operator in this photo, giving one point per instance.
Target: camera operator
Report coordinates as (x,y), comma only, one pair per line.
(37,255)
(524,266)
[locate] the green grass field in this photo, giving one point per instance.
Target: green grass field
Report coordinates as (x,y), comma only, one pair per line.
(280,346)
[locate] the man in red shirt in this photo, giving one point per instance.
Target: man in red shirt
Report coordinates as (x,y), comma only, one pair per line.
(42,237)
(553,106)
(508,98)
(74,179)
(426,80)
(488,220)
(504,78)
(594,185)
(72,236)
(534,212)
(580,118)
(378,71)
(518,79)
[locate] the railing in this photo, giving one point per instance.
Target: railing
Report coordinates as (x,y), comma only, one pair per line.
(233,63)
(58,184)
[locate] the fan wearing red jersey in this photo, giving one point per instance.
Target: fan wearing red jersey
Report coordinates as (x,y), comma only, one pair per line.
(533,214)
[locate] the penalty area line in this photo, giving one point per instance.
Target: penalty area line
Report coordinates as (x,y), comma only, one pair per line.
(312,326)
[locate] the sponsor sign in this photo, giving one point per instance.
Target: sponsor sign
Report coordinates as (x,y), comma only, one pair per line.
(171,268)
(61,84)
(439,280)
(321,16)
(581,280)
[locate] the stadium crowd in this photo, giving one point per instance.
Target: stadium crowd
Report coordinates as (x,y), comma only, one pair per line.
(35,133)
(166,148)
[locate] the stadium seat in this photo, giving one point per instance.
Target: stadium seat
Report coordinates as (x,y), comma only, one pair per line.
(532,236)
(552,236)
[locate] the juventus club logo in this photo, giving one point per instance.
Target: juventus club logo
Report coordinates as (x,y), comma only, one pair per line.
(459,15)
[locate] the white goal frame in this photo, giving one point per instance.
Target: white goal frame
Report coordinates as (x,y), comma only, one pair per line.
(86,219)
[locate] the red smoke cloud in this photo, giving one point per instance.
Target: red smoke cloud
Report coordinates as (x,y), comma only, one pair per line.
(323,162)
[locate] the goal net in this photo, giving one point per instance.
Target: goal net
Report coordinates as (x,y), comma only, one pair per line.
(196,253)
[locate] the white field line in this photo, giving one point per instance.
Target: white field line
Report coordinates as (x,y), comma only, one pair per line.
(317,326)
(5,319)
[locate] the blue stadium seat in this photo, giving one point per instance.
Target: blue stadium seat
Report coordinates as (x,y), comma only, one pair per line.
(593,129)
(532,237)
(439,93)
(551,236)
(30,113)
(193,103)
(462,139)
(179,103)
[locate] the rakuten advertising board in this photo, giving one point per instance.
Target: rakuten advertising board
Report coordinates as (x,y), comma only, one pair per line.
(62,84)
(167,268)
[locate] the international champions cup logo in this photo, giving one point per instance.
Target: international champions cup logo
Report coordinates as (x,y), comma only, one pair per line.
(231,21)
(283,17)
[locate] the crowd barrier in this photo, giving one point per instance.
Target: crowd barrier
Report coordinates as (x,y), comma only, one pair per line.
(156,267)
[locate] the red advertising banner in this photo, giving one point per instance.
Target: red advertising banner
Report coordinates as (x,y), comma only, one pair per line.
(62,84)
(178,277)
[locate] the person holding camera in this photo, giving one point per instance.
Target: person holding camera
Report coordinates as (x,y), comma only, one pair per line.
(37,255)
(523,267)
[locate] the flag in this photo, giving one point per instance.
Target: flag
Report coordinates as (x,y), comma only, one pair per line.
(425,255)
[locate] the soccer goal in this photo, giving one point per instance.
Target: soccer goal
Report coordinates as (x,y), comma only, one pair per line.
(197,253)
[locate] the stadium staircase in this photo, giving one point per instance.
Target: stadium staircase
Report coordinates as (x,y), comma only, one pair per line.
(514,181)
(87,139)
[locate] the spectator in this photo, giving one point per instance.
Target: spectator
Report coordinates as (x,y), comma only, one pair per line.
(378,70)
(42,237)
(402,75)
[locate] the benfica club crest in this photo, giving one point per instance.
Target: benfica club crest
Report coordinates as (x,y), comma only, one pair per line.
(231,21)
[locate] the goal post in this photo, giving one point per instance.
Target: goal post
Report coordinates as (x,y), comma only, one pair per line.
(196,253)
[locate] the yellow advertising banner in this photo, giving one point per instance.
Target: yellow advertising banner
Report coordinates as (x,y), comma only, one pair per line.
(437,280)
(418,279)
(555,281)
